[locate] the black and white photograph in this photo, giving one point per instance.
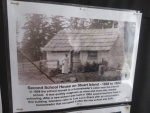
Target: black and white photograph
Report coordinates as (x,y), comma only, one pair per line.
(57,49)
(64,56)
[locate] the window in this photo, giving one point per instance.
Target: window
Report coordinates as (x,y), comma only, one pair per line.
(92,54)
(76,53)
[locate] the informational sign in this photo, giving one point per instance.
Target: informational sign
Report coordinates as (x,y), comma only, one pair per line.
(96,50)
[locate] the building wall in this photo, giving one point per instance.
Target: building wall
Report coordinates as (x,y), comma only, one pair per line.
(114,57)
(57,56)
(117,53)
(101,54)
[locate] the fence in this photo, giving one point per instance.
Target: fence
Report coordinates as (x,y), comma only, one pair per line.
(28,67)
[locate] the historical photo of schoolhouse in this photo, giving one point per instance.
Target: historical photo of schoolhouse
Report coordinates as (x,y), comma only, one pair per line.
(56,49)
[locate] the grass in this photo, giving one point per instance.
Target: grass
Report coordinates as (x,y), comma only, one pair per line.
(34,77)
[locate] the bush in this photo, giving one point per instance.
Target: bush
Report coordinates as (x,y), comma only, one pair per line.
(91,67)
(87,67)
(95,66)
(81,68)
(54,72)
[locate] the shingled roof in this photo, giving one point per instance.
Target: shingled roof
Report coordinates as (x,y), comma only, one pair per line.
(82,40)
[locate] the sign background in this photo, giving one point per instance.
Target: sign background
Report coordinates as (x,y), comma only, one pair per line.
(141,91)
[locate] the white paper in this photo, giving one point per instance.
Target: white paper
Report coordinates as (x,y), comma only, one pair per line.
(112,46)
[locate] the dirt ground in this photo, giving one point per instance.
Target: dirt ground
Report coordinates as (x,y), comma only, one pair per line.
(36,78)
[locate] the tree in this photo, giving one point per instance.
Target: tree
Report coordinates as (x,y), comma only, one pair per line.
(77,23)
(20,57)
(57,23)
(39,29)
(100,24)
(37,32)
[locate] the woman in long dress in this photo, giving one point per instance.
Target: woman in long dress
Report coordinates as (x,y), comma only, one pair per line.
(65,66)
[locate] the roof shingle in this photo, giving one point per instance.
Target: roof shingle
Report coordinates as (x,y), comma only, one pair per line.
(82,40)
